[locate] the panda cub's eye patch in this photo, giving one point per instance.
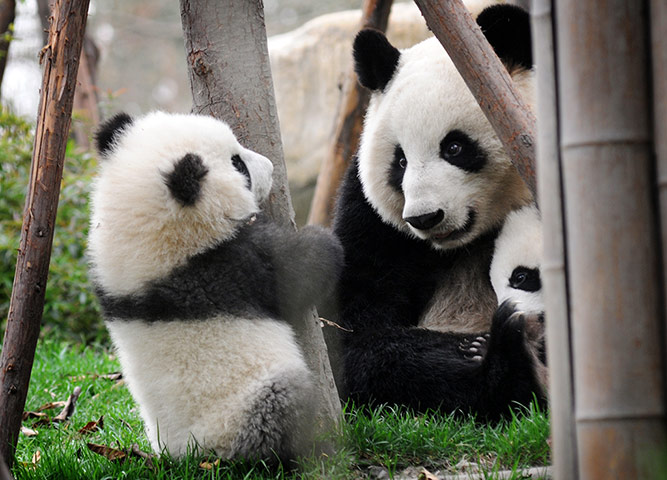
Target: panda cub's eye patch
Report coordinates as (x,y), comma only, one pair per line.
(527,279)
(462,151)
(397,169)
(241,167)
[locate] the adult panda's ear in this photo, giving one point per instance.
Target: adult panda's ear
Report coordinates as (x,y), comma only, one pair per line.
(507,28)
(375,59)
(184,181)
(109,132)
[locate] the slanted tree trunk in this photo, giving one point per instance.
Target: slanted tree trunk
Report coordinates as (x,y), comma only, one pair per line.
(607,152)
(7,14)
(230,76)
(61,61)
(487,79)
(553,271)
(349,124)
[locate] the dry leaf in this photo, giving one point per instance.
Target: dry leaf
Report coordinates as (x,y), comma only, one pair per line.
(68,408)
(209,465)
(28,432)
(27,415)
(426,475)
(50,405)
(36,457)
(111,454)
(92,426)
(112,376)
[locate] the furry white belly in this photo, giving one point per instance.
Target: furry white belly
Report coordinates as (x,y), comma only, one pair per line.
(195,381)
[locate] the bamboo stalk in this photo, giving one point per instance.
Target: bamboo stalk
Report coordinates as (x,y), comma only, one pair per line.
(553,271)
(659,62)
(487,79)
(61,59)
(349,124)
(612,245)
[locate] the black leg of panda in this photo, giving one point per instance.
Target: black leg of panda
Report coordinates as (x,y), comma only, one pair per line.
(513,372)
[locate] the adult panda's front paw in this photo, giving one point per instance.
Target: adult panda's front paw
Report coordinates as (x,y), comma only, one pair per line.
(475,348)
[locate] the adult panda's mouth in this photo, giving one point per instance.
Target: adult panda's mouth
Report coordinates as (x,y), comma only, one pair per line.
(456,234)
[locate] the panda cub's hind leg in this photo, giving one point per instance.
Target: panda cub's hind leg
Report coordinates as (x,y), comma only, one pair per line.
(279,421)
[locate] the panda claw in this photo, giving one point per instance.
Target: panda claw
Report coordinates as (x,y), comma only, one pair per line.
(477,359)
(476,344)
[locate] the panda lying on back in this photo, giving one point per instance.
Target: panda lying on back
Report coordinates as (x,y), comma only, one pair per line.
(195,287)
(418,214)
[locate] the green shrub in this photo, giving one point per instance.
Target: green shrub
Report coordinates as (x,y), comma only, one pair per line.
(70,310)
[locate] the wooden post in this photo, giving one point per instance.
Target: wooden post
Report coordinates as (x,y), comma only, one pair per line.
(553,271)
(612,239)
(225,43)
(61,59)
(7,14)
(349,123)
(487,79)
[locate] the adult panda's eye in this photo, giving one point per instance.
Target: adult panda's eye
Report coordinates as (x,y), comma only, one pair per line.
(453,149)
(402,162)
(242,168)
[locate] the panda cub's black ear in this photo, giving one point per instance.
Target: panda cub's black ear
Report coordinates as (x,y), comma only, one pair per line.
(184,181)
(109,132)
(375,59)
(507,28)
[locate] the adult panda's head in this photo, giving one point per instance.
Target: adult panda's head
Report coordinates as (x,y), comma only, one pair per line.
(169,186)
(515,268)
(429,161)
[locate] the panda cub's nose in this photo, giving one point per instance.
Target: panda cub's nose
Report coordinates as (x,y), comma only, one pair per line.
(427,220)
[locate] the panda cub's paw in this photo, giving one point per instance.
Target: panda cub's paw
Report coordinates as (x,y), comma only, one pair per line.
(474,347)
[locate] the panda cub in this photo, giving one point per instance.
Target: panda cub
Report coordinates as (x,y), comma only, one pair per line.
(196,287)
(418,214)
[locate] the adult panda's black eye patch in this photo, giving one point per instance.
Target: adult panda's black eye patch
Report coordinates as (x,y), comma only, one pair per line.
(241,167)
(397,169)
(527,279)
(462,151)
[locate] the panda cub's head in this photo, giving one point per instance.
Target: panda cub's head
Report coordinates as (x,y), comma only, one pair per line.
(515,268)
(169,187)
(429,161)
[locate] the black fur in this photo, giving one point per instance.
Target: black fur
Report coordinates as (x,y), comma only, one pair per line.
(387,283)
(263,271)
(241,167)
(375,59)
(507,28)
(109,132)
(462,151)
(397,169)
(184,181)
(524,278)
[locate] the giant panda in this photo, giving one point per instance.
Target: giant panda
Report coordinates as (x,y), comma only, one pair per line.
(197,288)
(418,212)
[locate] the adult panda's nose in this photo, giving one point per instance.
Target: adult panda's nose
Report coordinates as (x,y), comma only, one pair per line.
(427,220)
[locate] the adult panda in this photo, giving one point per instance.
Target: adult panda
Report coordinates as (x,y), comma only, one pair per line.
(418,213)
(197,288)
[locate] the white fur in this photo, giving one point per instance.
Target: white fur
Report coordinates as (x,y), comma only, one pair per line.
(195,381)
(426,99)
(519,244)
(138,231)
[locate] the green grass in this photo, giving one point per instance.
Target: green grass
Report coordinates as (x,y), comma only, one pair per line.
(390,438)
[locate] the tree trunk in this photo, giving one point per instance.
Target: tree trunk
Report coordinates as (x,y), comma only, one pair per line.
(61,59)
(553,271)
(487,79)
(230,76)
(349,124)
(7,14)
(612,236)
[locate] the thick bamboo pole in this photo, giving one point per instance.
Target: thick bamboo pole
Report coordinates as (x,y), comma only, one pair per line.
(61,60)
(613,252)
(230,77)
(487,79)
(349,123)
(554,274)
(659,56)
